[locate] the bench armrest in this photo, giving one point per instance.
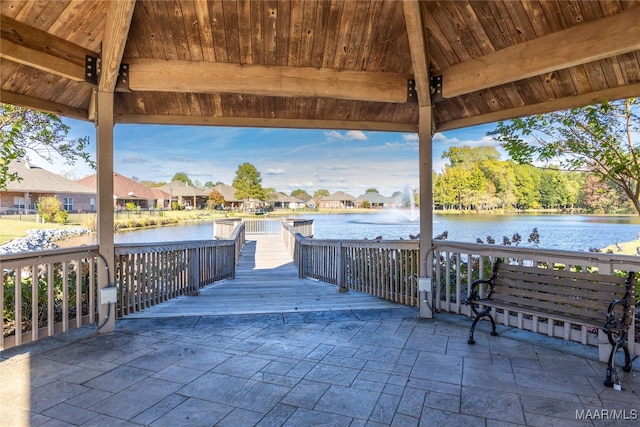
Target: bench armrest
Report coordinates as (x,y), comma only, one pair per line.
(473,292)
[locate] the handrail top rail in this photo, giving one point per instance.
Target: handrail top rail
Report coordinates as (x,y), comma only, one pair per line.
(49,252)
(528,252)
(183,244)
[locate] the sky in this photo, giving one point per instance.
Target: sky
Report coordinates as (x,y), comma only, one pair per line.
(287,159)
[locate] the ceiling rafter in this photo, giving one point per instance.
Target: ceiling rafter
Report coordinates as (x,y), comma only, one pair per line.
(419,54)
(116,32)
(606,37)
(208,77)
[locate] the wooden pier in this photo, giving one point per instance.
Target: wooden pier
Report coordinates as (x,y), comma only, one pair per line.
(266,281)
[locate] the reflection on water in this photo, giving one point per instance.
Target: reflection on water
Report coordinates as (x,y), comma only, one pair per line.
(569,232)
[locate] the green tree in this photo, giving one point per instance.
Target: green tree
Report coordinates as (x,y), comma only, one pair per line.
(300,194)
(182,177)
(597,139)
(24,132)
(323,192)
(372,190)
(248,183)
(50,210)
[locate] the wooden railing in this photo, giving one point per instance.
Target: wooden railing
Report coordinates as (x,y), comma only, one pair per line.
(225,228)
(457,265)
(47,292)
(263,226)
(386,269)
(149,274)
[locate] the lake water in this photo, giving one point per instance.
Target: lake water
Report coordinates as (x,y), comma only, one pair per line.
(567,232)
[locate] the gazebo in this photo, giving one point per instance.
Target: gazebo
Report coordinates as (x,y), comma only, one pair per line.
(406,66)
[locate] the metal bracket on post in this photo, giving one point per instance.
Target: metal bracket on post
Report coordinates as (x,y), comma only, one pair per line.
(92,69)
(122,83)
(436,88)
(412,95)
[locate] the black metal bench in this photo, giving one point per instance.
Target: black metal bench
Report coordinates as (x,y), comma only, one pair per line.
(597,301)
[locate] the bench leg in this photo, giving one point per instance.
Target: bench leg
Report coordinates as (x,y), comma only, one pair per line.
(484,313)
(621,342)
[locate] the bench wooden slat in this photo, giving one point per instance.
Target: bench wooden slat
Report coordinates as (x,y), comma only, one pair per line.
(595,322)
(596,284)
(548,290)
(545,307)
(503,293)
(566,274)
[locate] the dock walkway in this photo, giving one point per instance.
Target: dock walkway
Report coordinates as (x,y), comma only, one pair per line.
(266,282)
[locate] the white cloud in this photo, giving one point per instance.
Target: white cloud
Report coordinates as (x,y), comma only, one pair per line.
(276,171)
(356,134)
(352,135)
(411,137)
(407,145)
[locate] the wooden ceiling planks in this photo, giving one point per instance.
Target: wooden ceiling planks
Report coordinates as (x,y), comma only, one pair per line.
(363,35)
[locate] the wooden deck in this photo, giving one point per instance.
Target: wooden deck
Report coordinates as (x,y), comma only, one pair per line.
(266,282)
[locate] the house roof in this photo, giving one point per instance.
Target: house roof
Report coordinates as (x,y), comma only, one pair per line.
(38,180)
(373,197)
(339,196)
(336,64)
(182,189)
(227,191)
(126,188)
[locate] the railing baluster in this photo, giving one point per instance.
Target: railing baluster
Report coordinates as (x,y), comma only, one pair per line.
(17,308)
(50,300)
(35,297)
(78,292)
(65,296)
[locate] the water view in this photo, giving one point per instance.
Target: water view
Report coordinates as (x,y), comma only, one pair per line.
(567,232)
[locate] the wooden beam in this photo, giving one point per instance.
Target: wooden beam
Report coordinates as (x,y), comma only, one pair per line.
(116,31)
(38,49)
(42,105)
(592,41)
(630,91)
(264,122)
(207,77)
(418,47)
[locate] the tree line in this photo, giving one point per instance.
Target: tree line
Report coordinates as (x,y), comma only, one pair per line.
(477,179)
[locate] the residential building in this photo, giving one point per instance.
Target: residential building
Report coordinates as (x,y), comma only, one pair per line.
(126,190)
(35,183)
(186,195)
(337,200)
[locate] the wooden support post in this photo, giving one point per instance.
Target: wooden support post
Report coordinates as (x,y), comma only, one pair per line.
(426,212)
(104,225)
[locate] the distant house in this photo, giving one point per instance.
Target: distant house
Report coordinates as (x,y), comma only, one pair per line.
(377,200)
(185,195)
(281,201)
(126,190)
(36,183)
(337,200)
(231,202)
(229,195)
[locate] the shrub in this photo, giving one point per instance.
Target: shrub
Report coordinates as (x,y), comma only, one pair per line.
(48,207)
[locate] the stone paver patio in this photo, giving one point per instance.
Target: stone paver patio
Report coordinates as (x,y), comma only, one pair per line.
(346,368)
